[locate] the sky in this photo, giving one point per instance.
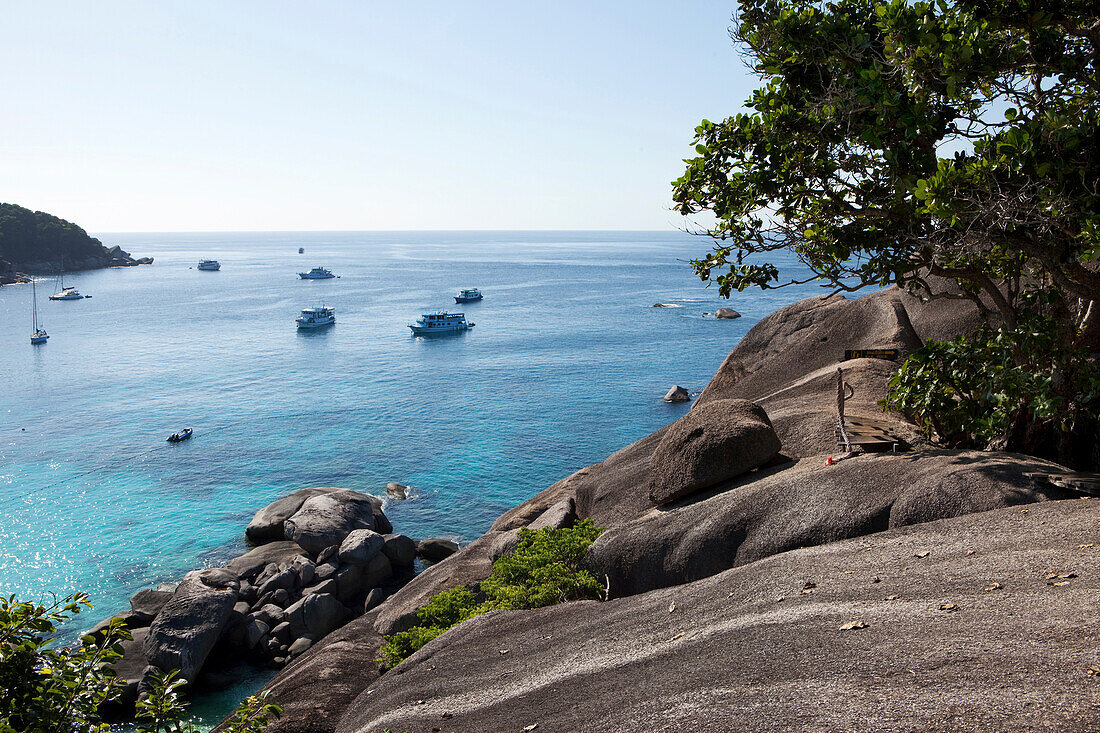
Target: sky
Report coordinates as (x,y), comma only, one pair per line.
(359,115)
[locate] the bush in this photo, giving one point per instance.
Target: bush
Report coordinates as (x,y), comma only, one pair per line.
(544,570)
(1009,388)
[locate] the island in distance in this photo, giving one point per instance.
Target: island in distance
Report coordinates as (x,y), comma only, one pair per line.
(34,242)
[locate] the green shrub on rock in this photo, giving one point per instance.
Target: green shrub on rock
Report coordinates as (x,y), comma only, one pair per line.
(545,569)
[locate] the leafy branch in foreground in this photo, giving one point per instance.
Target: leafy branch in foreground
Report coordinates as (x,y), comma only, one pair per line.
(46,690)
(545,569)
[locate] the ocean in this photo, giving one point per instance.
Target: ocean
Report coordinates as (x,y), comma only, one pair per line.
(567,363)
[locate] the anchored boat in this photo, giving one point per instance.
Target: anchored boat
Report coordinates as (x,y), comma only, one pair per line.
(65,293)
(316,317)
(317,273)
(209,265)
(470,295)
(39,336)
(441,322)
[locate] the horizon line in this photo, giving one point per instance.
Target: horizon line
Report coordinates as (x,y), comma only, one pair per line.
(360,231)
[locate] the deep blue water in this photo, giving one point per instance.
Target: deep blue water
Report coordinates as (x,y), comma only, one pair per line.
(567,363)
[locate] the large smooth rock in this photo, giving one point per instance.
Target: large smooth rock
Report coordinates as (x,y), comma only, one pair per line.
(726,314)
(397,491)
(267,524)
(353,581)
(360,546)
(711,444)
(401,550)
(435,549)
(971,636)
(323,613)
(188,626)
(326,519)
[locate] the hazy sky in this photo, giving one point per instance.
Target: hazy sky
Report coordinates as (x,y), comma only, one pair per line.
(180,116)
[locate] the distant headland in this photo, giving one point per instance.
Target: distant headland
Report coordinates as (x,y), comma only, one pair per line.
(36,242)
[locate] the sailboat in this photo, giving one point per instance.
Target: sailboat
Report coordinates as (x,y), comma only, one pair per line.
(39,336)
(65,293)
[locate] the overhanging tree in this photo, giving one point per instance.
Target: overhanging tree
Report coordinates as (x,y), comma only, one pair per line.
(923,143)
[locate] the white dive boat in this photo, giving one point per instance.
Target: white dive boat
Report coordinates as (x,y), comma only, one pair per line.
(317,273)
(316,317)
(469,295)
(441,322)
(210,265)
(39,336)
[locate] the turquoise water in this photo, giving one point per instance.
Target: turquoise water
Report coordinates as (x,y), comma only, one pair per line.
(567,363)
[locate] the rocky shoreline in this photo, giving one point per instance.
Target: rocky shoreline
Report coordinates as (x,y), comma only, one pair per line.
(322,557)
(754,581)
(755,578)
(11,274)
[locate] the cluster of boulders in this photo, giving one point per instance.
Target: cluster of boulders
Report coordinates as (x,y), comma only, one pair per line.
(324,557)
(8,275)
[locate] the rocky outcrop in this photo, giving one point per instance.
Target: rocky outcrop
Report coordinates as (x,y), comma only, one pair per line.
(435,549)
(726,314)
(711,444)
(324,520)
(396,491)
(274,603)
(947,626)
(677,394)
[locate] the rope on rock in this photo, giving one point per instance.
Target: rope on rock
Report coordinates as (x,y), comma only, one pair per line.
(844,392)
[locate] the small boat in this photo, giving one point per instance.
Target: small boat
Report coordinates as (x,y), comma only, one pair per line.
(470,295)
(180,436)
(317,273)
(210,265)
(39,336)
(301,250)
(441,322)
(316,317)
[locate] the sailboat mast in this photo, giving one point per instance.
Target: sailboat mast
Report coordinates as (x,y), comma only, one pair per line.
(34,305)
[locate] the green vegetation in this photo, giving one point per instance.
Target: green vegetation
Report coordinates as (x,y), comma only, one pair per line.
(46,690)
(545,569)
(35,237)
(951,148)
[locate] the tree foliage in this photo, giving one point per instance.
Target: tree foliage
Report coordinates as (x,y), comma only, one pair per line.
(951,148)
(48,690)
(545,569)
